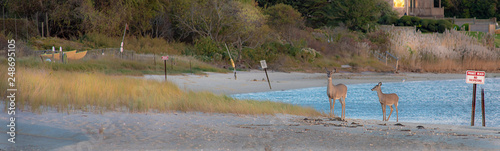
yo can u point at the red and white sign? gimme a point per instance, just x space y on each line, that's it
475 77
164 57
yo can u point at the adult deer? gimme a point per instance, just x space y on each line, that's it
335 92
387 99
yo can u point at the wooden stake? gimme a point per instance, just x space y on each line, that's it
265 69
482 106
47 24
165 62
473 104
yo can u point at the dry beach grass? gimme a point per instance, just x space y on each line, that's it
41 90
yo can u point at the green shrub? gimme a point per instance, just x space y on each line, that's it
456 27
465 27
208 48
443 25
388 20
406 21
415 20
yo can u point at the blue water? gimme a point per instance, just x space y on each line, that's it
436 102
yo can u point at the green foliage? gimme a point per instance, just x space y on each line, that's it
481 9
207 49
424 25
283 15
357 15
465 27
406 20
456 27
443 25
388 20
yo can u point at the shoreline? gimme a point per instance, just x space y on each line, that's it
255 80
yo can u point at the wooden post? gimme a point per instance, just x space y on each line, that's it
53 51
265 69
15 24
123 38
3 18
42 59
37 28
397 64
386 58
26 23
482 106
473 104
61 54
165 62
47 24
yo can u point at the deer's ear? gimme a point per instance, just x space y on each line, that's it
380 84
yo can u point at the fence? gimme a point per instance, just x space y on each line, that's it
397 28
387 58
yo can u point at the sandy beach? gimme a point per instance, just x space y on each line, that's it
256 81
203 131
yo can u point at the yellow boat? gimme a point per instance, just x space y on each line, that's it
77 56
71 55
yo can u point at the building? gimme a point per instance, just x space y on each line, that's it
419 8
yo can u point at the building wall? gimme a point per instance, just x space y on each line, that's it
420 8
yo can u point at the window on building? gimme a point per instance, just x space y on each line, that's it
399 3
436 3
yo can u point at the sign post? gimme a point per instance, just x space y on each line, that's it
264 66
165 58
474 77
482 107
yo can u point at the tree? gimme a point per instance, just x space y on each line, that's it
285 20
251 30
482 9
357 15
206 18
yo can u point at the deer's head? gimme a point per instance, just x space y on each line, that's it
377 87
330 73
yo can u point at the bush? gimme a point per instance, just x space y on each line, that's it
465 27
409 20
428 25
406 21
388 20
442 25
208 48
456 27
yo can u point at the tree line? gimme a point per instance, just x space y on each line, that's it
245 25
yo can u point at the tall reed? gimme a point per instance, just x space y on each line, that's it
417 49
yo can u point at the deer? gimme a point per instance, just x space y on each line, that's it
335 92
387 99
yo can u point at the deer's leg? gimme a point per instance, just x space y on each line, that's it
389 113
343 108
331 107
397 116
383 111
